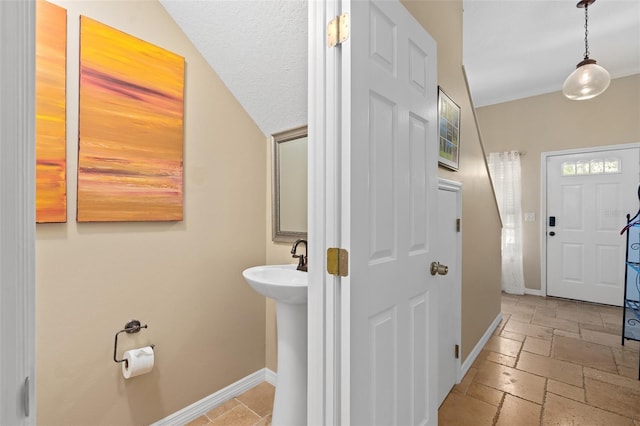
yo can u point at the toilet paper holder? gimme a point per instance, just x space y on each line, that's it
131 327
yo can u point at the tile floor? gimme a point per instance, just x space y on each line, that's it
549 362
252 408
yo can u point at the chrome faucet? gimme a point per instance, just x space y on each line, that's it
302 258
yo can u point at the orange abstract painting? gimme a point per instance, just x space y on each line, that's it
51 140
130 158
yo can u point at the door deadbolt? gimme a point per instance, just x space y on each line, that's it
437 268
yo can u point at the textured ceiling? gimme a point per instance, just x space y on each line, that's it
512 48
258 49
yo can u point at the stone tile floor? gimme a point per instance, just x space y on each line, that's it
549 362
252 408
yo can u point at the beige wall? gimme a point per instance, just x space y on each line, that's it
552 123
480 220
182 278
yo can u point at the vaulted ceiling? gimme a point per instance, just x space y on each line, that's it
512 48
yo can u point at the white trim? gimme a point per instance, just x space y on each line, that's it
455 186
532 292
342 86
210 402
544 156
466 365
323 376
17 210
543 224
270 377
449 185
590 149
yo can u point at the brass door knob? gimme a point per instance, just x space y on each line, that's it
437 268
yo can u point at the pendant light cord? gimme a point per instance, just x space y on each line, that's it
586 31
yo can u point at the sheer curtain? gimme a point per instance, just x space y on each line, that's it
505 174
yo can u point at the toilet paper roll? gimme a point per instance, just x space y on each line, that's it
139 361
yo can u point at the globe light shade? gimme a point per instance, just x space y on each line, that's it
587 81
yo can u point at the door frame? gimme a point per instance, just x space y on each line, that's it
17 217
543 198
455 186
324 197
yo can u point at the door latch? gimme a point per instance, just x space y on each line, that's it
437 268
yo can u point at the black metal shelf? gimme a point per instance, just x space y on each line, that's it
631 304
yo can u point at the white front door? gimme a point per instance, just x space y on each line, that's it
389 184
588 197
449 291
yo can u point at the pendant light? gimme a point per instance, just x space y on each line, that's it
589 79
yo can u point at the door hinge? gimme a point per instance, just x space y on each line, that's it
338 262
458 225
457 351
338 30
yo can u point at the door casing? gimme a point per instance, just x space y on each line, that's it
455 277
17 212
543 200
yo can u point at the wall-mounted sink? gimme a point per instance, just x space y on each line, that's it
288 287
280 282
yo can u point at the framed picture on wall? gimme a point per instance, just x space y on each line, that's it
448 131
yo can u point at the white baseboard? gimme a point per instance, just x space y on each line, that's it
533 292
476 350
270 377
210 402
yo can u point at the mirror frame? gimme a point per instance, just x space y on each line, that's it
280 235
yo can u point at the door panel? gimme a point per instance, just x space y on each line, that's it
606 256
383 330
607 196
418 132
381 189
573 265
572 207
419 327
585 257
391 134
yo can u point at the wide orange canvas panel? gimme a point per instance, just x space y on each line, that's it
130 159
51 140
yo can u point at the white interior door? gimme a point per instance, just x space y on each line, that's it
588 197
388 217
449 291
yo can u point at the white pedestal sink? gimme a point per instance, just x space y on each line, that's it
288 287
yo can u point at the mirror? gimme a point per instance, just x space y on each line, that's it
289 184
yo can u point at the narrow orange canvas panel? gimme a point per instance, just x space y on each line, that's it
130 159
51 162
